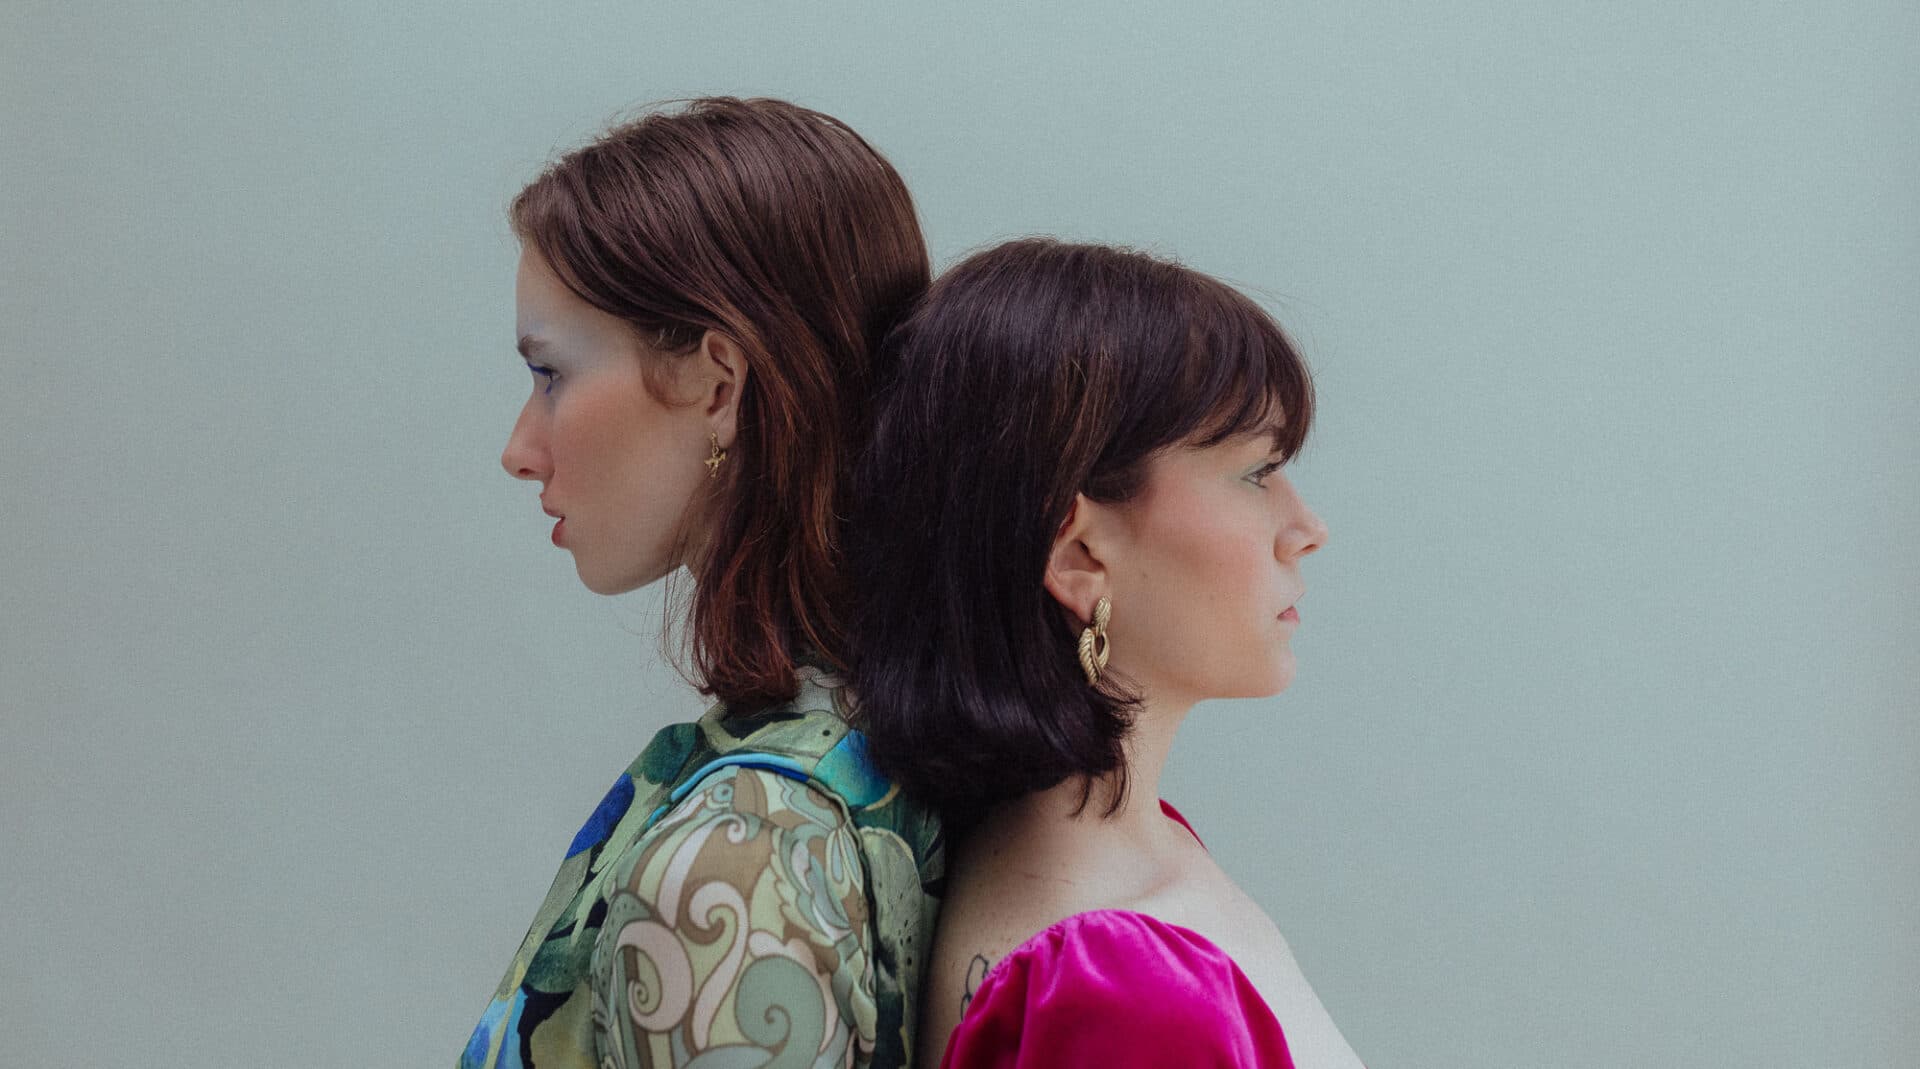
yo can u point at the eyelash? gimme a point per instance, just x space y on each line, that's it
542 371
1260 475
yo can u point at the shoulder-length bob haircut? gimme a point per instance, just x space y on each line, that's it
1030 373
781 229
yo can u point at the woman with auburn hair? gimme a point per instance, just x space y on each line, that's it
1072 526
701 294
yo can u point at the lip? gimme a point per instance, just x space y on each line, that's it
1292 615
559 532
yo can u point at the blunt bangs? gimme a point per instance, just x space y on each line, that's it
1196 363
1242 374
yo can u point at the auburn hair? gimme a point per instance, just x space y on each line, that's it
1029 374
783 230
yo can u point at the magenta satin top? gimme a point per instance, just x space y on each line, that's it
1112 987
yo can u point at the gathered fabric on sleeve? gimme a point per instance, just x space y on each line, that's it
738 928
1115 988
750 892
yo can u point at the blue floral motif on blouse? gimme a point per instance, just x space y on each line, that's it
502 1019
605 816
851 774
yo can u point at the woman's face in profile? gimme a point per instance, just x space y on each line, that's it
1205 585
617 467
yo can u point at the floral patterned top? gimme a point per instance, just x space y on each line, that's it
750 893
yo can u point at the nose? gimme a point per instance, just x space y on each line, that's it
1303 532
1313 531
526 456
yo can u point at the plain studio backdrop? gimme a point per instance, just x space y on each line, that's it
1603 747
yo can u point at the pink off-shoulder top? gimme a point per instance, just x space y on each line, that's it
1116 988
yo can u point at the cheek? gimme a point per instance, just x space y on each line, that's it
614 472
1208 560
587 431
601 433
1209 589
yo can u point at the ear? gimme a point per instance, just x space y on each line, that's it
720 367
1077 575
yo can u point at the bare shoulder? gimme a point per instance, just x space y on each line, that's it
1010 880
1008 888
1212 906
1000 904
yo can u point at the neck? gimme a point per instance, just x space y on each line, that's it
1138 815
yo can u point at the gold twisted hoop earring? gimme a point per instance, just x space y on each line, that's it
1093 642
718 455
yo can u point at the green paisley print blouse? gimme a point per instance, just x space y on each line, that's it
751 894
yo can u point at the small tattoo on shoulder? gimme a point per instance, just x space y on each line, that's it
976 973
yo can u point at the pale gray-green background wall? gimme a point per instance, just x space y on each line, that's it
1603 750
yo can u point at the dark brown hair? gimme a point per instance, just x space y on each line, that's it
1030 373
781 229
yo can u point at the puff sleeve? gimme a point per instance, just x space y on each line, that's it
739 929
1116 989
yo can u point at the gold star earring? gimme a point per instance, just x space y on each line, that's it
718 455
1093 642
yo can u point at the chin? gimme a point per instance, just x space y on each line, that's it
606 589
1283 673
1279 677
612 583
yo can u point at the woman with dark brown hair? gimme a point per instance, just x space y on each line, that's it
1073 526
701 294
